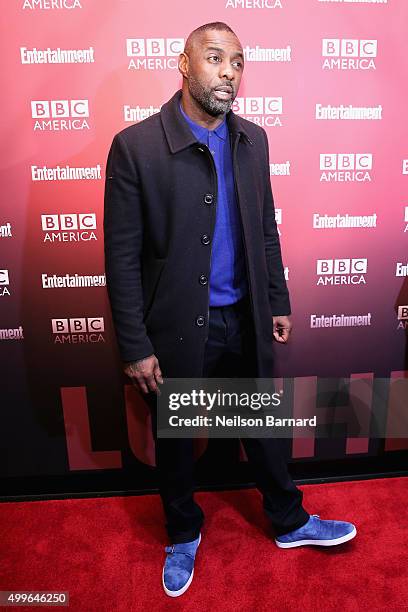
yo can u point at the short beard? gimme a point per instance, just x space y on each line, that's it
204 97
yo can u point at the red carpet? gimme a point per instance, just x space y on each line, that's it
108 552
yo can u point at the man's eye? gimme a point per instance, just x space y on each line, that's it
214 57
238 64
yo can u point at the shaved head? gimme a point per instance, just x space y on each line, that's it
195 36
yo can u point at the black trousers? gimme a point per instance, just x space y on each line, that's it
230 352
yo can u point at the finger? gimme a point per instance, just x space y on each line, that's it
285 336
277 337
141 381
144 387
151 382
158 374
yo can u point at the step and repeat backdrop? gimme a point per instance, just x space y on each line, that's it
327 79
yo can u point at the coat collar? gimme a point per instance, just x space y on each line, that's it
178 133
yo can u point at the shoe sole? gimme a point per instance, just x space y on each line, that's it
345 538
183 588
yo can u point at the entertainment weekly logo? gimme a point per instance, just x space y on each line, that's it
279 169
402 317
153 53
342 320
71 227
4 283
59 115
349 112
67 281
356 1
341 271
253 4
134 114
46 5
266 112
278 219
56 56
401 269
346 167
349 54
261 54
6 231
65 173
14 333
78 330
344 221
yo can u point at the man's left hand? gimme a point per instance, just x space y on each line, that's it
282 327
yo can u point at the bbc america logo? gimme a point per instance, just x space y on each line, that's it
266 112
341 271
51 4
253 4
153 53
78 330
349 54
58 115
403 317
4 283
71 227
346 167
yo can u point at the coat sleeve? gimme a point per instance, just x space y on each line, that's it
123 235
278 291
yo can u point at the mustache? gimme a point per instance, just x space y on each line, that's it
225 86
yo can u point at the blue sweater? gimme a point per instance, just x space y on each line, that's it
228 279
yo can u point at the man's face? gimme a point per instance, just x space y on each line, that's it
214 71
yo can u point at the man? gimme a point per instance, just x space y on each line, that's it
195 278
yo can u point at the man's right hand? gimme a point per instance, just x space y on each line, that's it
145 374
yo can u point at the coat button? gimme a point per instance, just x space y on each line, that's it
205 239
200 320
208 198
203 280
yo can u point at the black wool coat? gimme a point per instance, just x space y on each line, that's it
159 217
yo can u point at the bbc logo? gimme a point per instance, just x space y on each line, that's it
258 106
346 161
82 221
341 266
403 312
4 278
345 47
78 325
58 109
154 47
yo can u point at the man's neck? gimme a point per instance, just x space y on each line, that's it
198 114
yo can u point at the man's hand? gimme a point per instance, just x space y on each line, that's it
145 374
282 327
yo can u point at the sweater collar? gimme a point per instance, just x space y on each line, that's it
178 133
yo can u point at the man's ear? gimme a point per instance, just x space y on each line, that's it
183 62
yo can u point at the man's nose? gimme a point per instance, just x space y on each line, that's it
227 71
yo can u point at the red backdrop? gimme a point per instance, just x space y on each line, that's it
326 78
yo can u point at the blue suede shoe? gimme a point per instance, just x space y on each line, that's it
178 570
318 532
